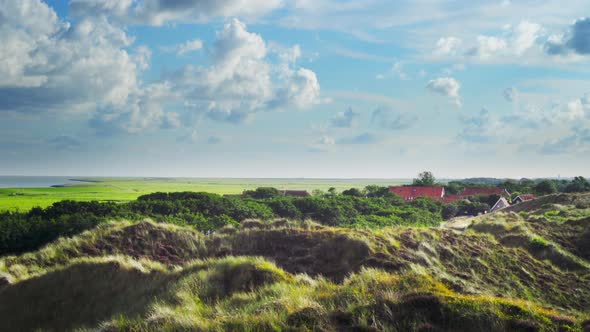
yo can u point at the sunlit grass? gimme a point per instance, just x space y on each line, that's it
122 190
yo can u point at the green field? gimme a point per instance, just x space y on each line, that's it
126 189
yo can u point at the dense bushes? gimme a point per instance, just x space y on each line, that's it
209 212
22 232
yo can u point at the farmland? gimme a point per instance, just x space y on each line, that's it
158 272
127 189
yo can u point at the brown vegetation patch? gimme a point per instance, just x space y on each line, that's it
329 254
80 295
146 240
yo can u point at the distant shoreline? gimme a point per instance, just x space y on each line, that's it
85 180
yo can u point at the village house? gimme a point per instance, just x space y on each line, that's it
474 191
523 198
448 199
410 193
500 204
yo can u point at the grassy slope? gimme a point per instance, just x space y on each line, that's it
129 189
508 272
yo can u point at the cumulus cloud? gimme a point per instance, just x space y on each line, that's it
446 86
189 46
344 119
577 109
576 40
480 128
242 81
143 110
448 46
387 118
488 46
158 12
50 64
524 36
364 138
514 41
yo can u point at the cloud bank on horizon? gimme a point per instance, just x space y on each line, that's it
283 88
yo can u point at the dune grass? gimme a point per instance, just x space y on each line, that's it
253 294
507 272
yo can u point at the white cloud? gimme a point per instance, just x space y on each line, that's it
326 140
390 119
488 46
287 54
524 36
575 40
47 64
447 46
143 110
396 70
241 81
509 45
446 86
189 46
482 128
578 109
158 12
344 119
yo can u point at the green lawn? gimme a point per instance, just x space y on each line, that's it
126 189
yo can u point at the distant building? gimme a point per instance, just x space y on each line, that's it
295 193
523 198
448 199
410 193
484 192
500 204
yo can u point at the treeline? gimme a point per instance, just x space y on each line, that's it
523 186
372 206
207 212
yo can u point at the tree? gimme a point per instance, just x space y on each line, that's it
578 184
317 193
263 193
454 188
510 185
425 179
332 192
545 187
377 191
353 192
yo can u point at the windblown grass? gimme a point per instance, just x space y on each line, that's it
508 272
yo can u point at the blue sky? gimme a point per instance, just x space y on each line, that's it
278 88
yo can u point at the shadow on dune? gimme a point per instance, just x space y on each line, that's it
81 295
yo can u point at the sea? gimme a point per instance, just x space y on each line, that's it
33 181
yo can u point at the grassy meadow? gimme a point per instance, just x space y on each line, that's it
128 189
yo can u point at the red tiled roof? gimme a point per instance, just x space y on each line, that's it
482 191
451 198
409 193
526 197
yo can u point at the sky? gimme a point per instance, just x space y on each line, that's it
295 88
